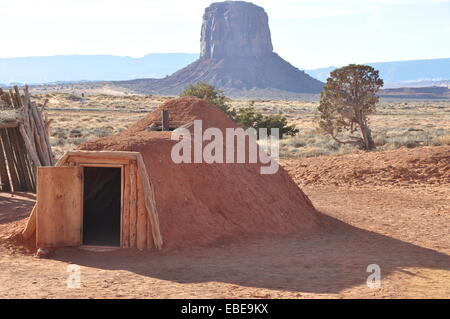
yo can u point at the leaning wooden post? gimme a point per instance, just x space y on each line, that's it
150 202
29 145
4 178
10 160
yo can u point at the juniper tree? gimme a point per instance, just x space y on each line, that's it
347 99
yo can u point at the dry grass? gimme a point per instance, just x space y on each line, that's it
397 123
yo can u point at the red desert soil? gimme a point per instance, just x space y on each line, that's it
404 167
387 208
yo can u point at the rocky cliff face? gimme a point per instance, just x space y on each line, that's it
237 57
235 29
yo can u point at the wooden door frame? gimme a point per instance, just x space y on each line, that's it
122 185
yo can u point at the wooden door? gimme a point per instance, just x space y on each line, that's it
59 206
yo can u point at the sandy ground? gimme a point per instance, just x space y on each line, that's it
402 228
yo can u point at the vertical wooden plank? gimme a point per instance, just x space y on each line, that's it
126 208
10 160
59 206
4 177
133 214
150 243
134 235
16 143
32 170
141 216
28 170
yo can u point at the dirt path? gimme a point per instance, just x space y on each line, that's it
404 231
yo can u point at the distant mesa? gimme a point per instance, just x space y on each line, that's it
432 92
235 30
410 73
236 56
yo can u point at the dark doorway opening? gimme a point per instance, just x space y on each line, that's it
101 206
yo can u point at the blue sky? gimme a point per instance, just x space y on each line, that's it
309 34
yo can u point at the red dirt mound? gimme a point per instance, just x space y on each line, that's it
404 167
206 203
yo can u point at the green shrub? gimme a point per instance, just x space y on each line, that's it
249 117
246 117
209 93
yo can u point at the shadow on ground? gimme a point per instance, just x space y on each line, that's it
15 208
328 261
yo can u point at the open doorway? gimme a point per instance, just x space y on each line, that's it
101 206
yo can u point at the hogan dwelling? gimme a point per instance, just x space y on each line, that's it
126 191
